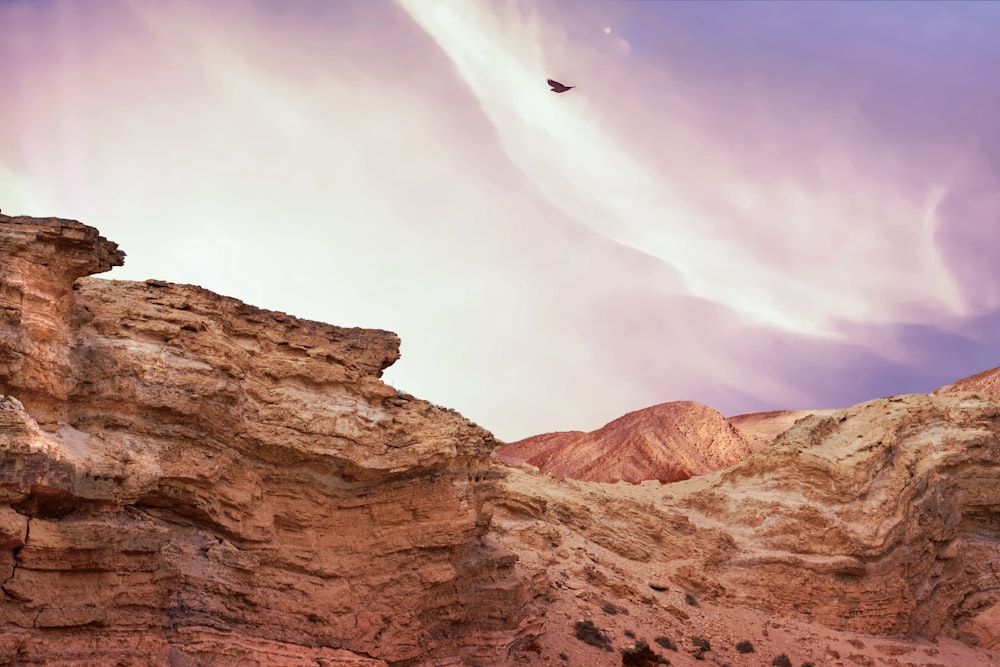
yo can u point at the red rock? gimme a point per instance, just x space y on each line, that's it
667 442
985 381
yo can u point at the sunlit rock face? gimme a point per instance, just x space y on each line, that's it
186 479
668 442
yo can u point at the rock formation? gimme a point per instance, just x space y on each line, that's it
188 480
668 442
856 526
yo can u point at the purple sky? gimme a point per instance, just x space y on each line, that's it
755 205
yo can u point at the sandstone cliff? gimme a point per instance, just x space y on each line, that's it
667 442
188 480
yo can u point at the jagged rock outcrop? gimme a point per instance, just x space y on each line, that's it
985 381
188 480
667 442
880 519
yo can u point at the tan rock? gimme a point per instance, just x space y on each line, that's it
188 480
204 482
879 519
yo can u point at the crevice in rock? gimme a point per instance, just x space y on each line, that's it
15 552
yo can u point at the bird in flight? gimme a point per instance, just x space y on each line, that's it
558 87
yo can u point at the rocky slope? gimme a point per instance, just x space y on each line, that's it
853 540
986 381
188 480
668 442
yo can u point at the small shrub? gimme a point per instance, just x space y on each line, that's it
641 656
690 600
666 643
745 646
563 656
701 643
589 633
781 661
609 608
808 664
630 634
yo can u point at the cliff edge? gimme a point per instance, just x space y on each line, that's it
189 480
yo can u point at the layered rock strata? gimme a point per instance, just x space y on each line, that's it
880 519
188 480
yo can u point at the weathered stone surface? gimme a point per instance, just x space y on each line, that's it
41 259
185 479
880 518
876 520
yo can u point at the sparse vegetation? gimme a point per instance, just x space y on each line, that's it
609 608
808 664
630 634
690 600
563 656
641 656
666 643
589 633
781 660
701 643
745 646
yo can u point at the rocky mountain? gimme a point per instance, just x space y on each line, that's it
196 481
187 480
668 443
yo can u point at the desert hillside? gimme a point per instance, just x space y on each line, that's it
668 443
189 480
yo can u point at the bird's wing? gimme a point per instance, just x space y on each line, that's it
554 83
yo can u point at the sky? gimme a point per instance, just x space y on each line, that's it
753 205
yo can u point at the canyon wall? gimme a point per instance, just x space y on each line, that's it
188 480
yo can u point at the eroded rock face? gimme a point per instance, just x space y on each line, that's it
41 257
189 480
880 519
667 442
